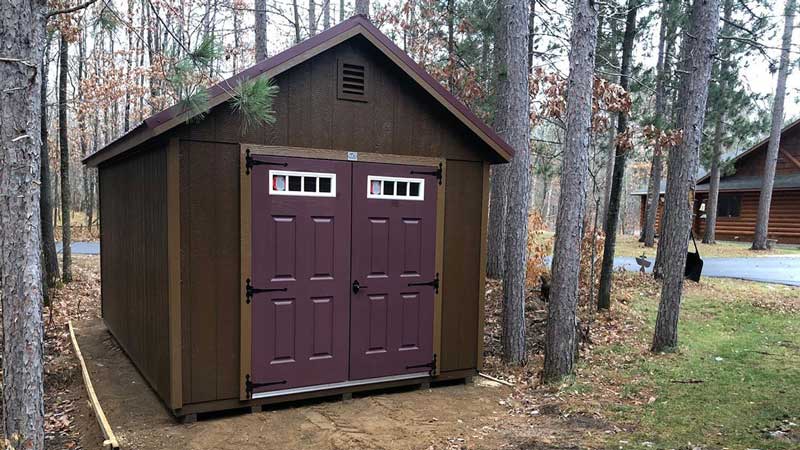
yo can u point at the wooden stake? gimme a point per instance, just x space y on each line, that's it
110 439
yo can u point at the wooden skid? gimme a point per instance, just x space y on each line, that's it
342 393
108 433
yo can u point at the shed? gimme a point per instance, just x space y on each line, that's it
340 249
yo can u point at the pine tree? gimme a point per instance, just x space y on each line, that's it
771 158
23 36
560 337
516 131
682 167
612 212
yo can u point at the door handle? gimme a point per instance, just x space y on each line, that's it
357 287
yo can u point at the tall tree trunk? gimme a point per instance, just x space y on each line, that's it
451 45
128 69
46 197
312 18
654 185
495 260
682 167
720 107
326 14
621 154
341 10
516 131
362 7
685 68
771 159
560 337
23 39
63 142
296 11
261 29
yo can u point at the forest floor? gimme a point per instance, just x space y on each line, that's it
731 384
628 245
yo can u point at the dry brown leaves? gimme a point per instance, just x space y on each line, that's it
77 300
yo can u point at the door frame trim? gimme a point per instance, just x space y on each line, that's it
341 384
245 242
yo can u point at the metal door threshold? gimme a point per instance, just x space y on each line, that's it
323 387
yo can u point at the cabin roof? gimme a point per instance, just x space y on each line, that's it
174 116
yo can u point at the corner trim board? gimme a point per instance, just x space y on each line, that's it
174 271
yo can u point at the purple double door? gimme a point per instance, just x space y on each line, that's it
343 271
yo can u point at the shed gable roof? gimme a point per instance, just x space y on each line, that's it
170 118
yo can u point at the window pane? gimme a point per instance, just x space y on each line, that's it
414 189
388 187
294 183
309 184
375 187
402 188
324 184
279 183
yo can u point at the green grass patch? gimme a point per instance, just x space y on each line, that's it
735 373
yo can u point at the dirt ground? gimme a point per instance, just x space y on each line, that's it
471 416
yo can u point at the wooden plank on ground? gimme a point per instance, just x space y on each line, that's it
108 433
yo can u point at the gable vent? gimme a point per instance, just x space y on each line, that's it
352 82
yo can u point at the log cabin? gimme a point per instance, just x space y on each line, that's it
739 193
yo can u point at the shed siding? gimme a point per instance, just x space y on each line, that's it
210 270
133 237
400 119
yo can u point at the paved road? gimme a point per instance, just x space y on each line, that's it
768 269
81 248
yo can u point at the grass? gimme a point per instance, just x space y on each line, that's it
630 246
734 375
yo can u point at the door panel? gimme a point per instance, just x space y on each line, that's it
300 243
393 245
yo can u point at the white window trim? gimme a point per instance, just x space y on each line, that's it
303 175
382 196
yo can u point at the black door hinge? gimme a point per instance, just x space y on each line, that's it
249 162
250 290
434 283
431 365
249 386
437 173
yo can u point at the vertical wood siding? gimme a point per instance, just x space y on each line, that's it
400 119
133 237
210 270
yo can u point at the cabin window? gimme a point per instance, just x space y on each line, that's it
352 81
729 205
304 184
395 188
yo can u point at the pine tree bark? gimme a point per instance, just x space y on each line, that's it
49 253
709 235
312 18
326 14
362 7
22 35
261 29
516 132
682 167
771 160
495 258
63 141
620 156
296 10
560 337
654 185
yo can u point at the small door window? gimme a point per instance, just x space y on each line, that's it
305 184
395 188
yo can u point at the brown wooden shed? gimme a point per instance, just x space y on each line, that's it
341 249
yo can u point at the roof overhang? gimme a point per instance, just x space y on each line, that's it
223 91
